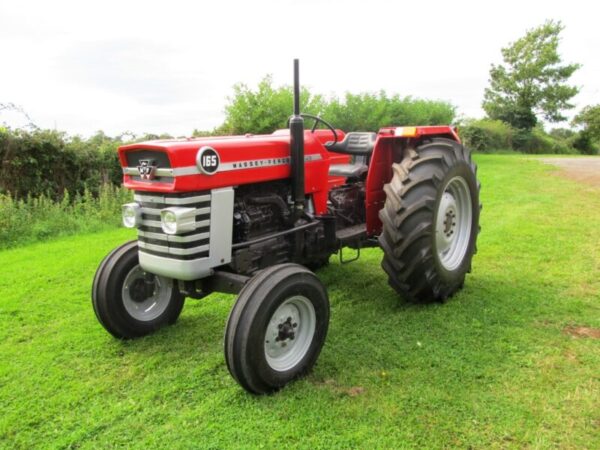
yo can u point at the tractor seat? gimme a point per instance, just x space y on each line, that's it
354 143
348 171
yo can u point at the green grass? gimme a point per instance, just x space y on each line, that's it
492 367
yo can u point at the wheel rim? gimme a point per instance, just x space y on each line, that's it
453 226
145 302
289 333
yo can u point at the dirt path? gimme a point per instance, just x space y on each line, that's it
585 170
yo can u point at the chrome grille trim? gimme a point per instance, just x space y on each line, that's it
173 238
152 239
174 201
159 172
157 224
156 211
192 255
173 250
151 223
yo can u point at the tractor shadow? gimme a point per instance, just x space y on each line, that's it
372 330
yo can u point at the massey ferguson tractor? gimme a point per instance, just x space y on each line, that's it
254 215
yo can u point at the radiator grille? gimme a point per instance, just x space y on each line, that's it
153 240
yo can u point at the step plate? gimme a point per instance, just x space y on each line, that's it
352 234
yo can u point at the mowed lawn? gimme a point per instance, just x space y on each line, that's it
509 362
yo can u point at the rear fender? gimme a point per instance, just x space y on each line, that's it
390 148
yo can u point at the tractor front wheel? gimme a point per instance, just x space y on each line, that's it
129 302
276 328
430 221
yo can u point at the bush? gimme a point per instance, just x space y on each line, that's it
264 109
494 135
486 135
48 163
583 142
38 218
370 112
267 108
562 133
539 142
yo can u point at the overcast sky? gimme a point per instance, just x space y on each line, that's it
168 66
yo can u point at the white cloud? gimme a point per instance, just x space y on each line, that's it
168 66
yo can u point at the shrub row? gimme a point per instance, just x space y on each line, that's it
267 108
38 218
48 162
486 135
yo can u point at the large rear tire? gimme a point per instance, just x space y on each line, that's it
430 221
276 328
129 302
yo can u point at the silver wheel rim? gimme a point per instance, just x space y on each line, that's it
453 226
153 305
289 333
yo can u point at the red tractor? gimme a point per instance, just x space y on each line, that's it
253 215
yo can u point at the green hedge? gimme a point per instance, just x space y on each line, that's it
486 135
49 163
540 142
370 112
266 108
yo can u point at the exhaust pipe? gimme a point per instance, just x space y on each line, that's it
297 148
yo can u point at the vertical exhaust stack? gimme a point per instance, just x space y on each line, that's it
297 148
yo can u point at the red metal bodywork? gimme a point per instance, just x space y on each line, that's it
251 148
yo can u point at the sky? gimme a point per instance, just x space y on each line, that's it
169 66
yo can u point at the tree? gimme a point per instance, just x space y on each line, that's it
265 109
532 82
589 136
589 118
369 111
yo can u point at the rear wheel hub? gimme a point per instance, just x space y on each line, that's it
453 225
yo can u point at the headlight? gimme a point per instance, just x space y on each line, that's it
131 215
168 222
178 220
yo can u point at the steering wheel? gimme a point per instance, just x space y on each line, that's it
318 119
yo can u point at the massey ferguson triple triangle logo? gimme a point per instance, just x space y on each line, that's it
147 169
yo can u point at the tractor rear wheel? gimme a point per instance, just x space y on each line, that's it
430 221
276 328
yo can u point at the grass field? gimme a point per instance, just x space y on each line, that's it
506 363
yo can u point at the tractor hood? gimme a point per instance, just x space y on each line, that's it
198 164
